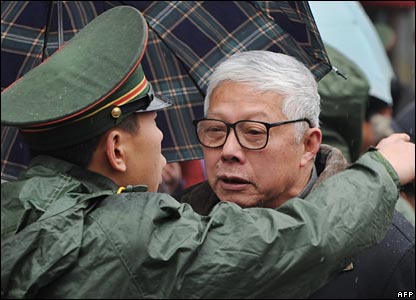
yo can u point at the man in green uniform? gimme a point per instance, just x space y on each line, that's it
84 222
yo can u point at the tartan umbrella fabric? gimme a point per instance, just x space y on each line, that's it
187 39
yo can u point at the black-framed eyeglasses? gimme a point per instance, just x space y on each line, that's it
253 135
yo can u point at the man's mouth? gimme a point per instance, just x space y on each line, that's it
233 182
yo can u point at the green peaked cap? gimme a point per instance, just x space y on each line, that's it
88 86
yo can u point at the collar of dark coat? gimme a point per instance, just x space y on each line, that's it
328 162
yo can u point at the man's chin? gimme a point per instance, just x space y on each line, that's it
241 199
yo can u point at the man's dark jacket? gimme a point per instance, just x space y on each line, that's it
382 271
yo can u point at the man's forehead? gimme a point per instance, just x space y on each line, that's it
247 110
218 111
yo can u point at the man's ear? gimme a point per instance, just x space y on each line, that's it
311 142
116 151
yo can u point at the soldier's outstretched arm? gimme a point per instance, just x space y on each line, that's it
291 251
287 252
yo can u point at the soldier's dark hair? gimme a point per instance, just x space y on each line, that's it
81 154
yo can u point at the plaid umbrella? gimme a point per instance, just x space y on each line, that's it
187 39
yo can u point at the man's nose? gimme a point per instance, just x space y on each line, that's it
232 150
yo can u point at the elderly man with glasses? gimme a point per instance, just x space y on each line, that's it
260 132
262 147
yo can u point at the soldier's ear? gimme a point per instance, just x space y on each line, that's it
116 150
311 142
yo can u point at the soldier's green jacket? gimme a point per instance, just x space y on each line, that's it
67 234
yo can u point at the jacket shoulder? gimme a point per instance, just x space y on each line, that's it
404 228
399 248
381 271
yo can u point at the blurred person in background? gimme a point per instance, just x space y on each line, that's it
369 46
178 176
343 118
395 25
343 106
403 111
360 43
404 121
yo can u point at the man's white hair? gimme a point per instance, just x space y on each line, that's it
276 72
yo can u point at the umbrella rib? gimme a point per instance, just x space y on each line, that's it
48 26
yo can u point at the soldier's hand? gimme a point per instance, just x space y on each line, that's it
401 155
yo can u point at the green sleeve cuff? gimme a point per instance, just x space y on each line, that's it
389 168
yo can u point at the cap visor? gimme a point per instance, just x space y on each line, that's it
158 103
